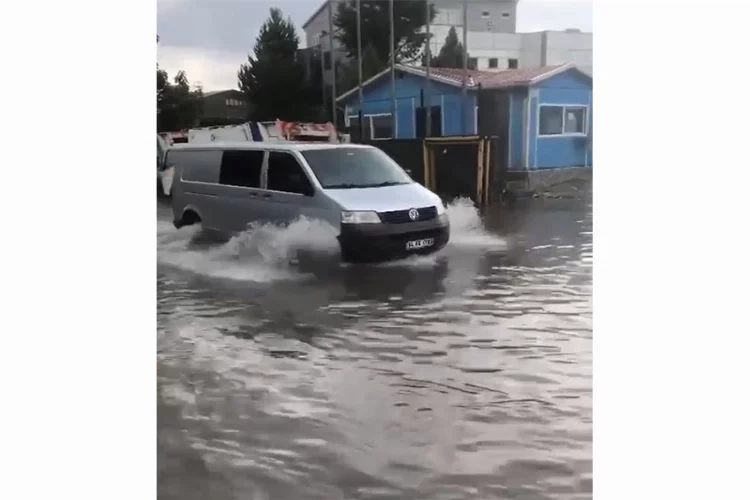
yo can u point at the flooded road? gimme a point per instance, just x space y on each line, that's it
466 375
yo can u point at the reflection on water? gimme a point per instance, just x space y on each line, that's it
461 375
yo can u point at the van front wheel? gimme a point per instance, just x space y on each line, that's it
188 219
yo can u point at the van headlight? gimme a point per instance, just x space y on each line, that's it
360 218
440 208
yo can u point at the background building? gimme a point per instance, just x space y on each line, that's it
223 107
499 51
492 40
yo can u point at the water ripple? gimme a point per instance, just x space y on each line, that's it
467 375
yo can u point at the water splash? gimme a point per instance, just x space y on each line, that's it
267 252
467 228
262 253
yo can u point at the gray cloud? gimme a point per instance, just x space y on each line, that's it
230 25
211 38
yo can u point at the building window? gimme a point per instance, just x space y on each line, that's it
382 127
228 102
375 126
354 128
327 60
562 120
493 62
575 119
472 63
512 63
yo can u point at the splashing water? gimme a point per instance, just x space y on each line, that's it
467 227
265 252
262 253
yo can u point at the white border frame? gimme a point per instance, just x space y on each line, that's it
539 106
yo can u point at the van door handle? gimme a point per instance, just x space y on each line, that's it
266 195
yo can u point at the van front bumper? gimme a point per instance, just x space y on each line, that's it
384 242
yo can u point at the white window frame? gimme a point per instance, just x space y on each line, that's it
370 117
564 107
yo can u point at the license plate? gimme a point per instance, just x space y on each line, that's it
417 244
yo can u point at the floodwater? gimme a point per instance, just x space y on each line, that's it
465 375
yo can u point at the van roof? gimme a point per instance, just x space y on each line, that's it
277 146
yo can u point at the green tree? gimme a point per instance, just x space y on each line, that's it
273 79
451 54
178 106
371 66
409 20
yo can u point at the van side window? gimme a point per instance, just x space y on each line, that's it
195 166
241 168
285 174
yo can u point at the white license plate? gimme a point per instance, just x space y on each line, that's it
417 244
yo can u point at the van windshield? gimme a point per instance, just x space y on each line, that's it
352 168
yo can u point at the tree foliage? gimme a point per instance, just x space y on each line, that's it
273 79
409 40
177 105
451 54
371 66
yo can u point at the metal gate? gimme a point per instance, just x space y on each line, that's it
458 167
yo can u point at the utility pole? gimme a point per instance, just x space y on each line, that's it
393 68
464 92
322 71
428 62
333 62
360 114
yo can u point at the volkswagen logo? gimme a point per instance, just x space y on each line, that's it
414 214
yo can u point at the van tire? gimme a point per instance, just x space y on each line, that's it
190 217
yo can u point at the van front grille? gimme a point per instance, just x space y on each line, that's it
402 216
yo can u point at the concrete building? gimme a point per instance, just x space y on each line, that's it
499 51
222 107
492 40
493 16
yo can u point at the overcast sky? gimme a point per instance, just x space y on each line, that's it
209 39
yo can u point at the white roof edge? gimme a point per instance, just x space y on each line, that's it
556 71
411 70
364 84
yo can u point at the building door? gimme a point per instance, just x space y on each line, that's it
437 122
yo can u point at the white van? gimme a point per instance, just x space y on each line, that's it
377 211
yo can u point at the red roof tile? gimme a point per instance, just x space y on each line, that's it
489 79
